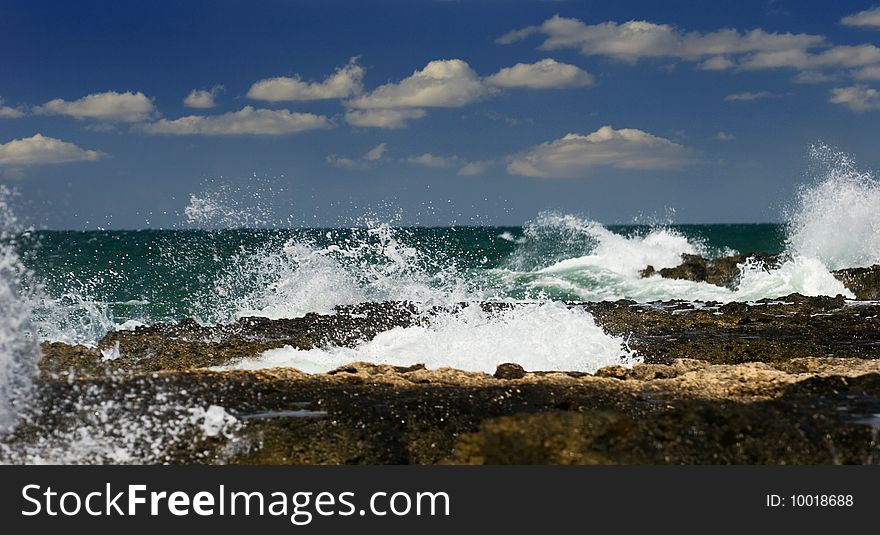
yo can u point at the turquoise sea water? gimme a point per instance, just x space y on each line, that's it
88 282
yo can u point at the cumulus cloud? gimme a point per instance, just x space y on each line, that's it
577 155
475 168
7 112
869 18
248 120
717 63
376 152
637 39
812 77
450 84
369 158
868 73
517 35
382 118
440 84
749 95
718 50
344 162
725 136
858 98
841 56
344 83
444 162
430 160
111 106
202 98
40 149
545 74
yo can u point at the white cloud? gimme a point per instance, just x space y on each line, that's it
373 155
841 56
869 18
40 149
245 121
100 127
7 112
636 39
382 118
110 106
445 162
749 95
517 35
719 50
545 74
717 63
475 168
858 98
343 162
376 152
868 73
577 155
430 160
725 136
202 98
441 84
344 83
812 77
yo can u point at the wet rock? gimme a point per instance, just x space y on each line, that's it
864 283
722 271
769 331
772 330
804 411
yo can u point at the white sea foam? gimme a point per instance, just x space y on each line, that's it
611 266
538 336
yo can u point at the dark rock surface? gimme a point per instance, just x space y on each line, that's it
724 271
789 380
768 331
802 411
864 283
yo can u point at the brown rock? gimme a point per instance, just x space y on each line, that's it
863 282
509 371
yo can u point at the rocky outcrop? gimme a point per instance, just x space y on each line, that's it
767 331
724 271
789 380
864 283
809 410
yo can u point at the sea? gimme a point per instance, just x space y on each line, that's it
75 286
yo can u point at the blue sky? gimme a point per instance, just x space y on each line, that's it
471 112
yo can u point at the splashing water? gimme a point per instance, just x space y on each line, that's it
837 218
538 336
301 276
611 264
224 205
561 241
18 349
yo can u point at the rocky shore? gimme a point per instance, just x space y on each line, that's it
724 271
792 380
